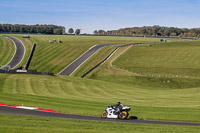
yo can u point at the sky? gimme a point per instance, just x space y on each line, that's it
91 15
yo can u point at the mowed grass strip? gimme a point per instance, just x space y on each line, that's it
53 57
180 59
26 124
7 50
137 67
91 97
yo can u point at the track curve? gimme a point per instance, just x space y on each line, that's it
19 52
19 111
85 56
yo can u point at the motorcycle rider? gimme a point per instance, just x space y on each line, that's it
117 107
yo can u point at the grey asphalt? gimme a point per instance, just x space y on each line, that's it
25 112
74 65
19 53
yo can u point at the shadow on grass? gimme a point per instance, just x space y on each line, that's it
133 117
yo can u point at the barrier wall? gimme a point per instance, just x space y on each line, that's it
30 57
26 72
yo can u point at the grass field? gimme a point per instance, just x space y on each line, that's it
7 50
137 66
126 78
167 60
90 97
54 57
28 124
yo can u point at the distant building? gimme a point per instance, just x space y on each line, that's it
26 36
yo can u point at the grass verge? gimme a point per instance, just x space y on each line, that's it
90 97
28 124
7 50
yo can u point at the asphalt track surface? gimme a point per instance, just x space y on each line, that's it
19 52
79 61
25 112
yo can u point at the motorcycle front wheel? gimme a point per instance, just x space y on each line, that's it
104 115
123 115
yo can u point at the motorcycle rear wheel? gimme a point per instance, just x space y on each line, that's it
123 115
104 115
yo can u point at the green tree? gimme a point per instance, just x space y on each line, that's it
71 31
57 31
101 32
95 32
173 34
167 32
78 31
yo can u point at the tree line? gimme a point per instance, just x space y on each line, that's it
152 31
71 31
43 29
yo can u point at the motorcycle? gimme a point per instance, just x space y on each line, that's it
111 112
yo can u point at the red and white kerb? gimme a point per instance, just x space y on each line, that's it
29 108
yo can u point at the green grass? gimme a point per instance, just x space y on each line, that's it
55 57
28 124
167 60
7 50
150 97
170 65
90 97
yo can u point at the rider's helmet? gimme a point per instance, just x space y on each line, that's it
118 103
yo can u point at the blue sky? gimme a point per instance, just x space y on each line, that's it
91 15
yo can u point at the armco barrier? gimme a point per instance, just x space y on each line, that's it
30 57
110 55
26 72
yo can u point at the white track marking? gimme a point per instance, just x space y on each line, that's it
16 51
24 107
76 60
85 60
23 53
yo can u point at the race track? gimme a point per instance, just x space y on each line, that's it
26 112
85 56
19 52
17 58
